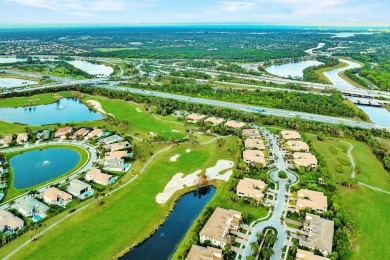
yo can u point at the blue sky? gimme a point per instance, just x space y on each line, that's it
308 12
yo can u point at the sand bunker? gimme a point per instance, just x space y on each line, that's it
138 110
175 131
174 158
178 182
96 105
188 150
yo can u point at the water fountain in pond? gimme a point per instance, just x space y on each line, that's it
45 163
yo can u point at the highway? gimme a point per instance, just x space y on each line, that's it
250 108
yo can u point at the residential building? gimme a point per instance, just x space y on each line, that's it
307 255
319 233
218 227
111 139
81 132
6 141
9 222
117 146
114 165
251 133
290 135
251 188
22 138
214 120
95 133
311 199
251 144
254 156
78 188
235 124
43 135
304 160
204 253
62 132
297 146
195 118
56 196
30 207
98 177
116 155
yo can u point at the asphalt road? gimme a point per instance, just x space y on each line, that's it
250 108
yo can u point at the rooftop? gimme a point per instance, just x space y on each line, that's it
203 253
320 233
311 199
290 135
219 223
54 194
254 156
215 120
252 188
307 255
304 159
250 133
7 219
235 124
254 143
195 117
297 145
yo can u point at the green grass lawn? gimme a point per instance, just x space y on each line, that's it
370 211
127 216
13 192
372 171
142 122
40 99
335 155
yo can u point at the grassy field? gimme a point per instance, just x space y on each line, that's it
13 192
127 216
335 154
14 76
370 210
33 100
140 121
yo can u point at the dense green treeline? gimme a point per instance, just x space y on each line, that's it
64 69
189 74
352 74
309 74
318 104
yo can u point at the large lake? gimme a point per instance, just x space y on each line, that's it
38 166
291 69
65 110
93 69
163 243
12 82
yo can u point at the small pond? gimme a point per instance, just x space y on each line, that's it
163 243
65 110
12 82
291 69
38 166
93 69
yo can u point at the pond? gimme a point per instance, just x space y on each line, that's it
291 69
378 115
163 243
340 83
12 82
38 166
65 110
93 69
